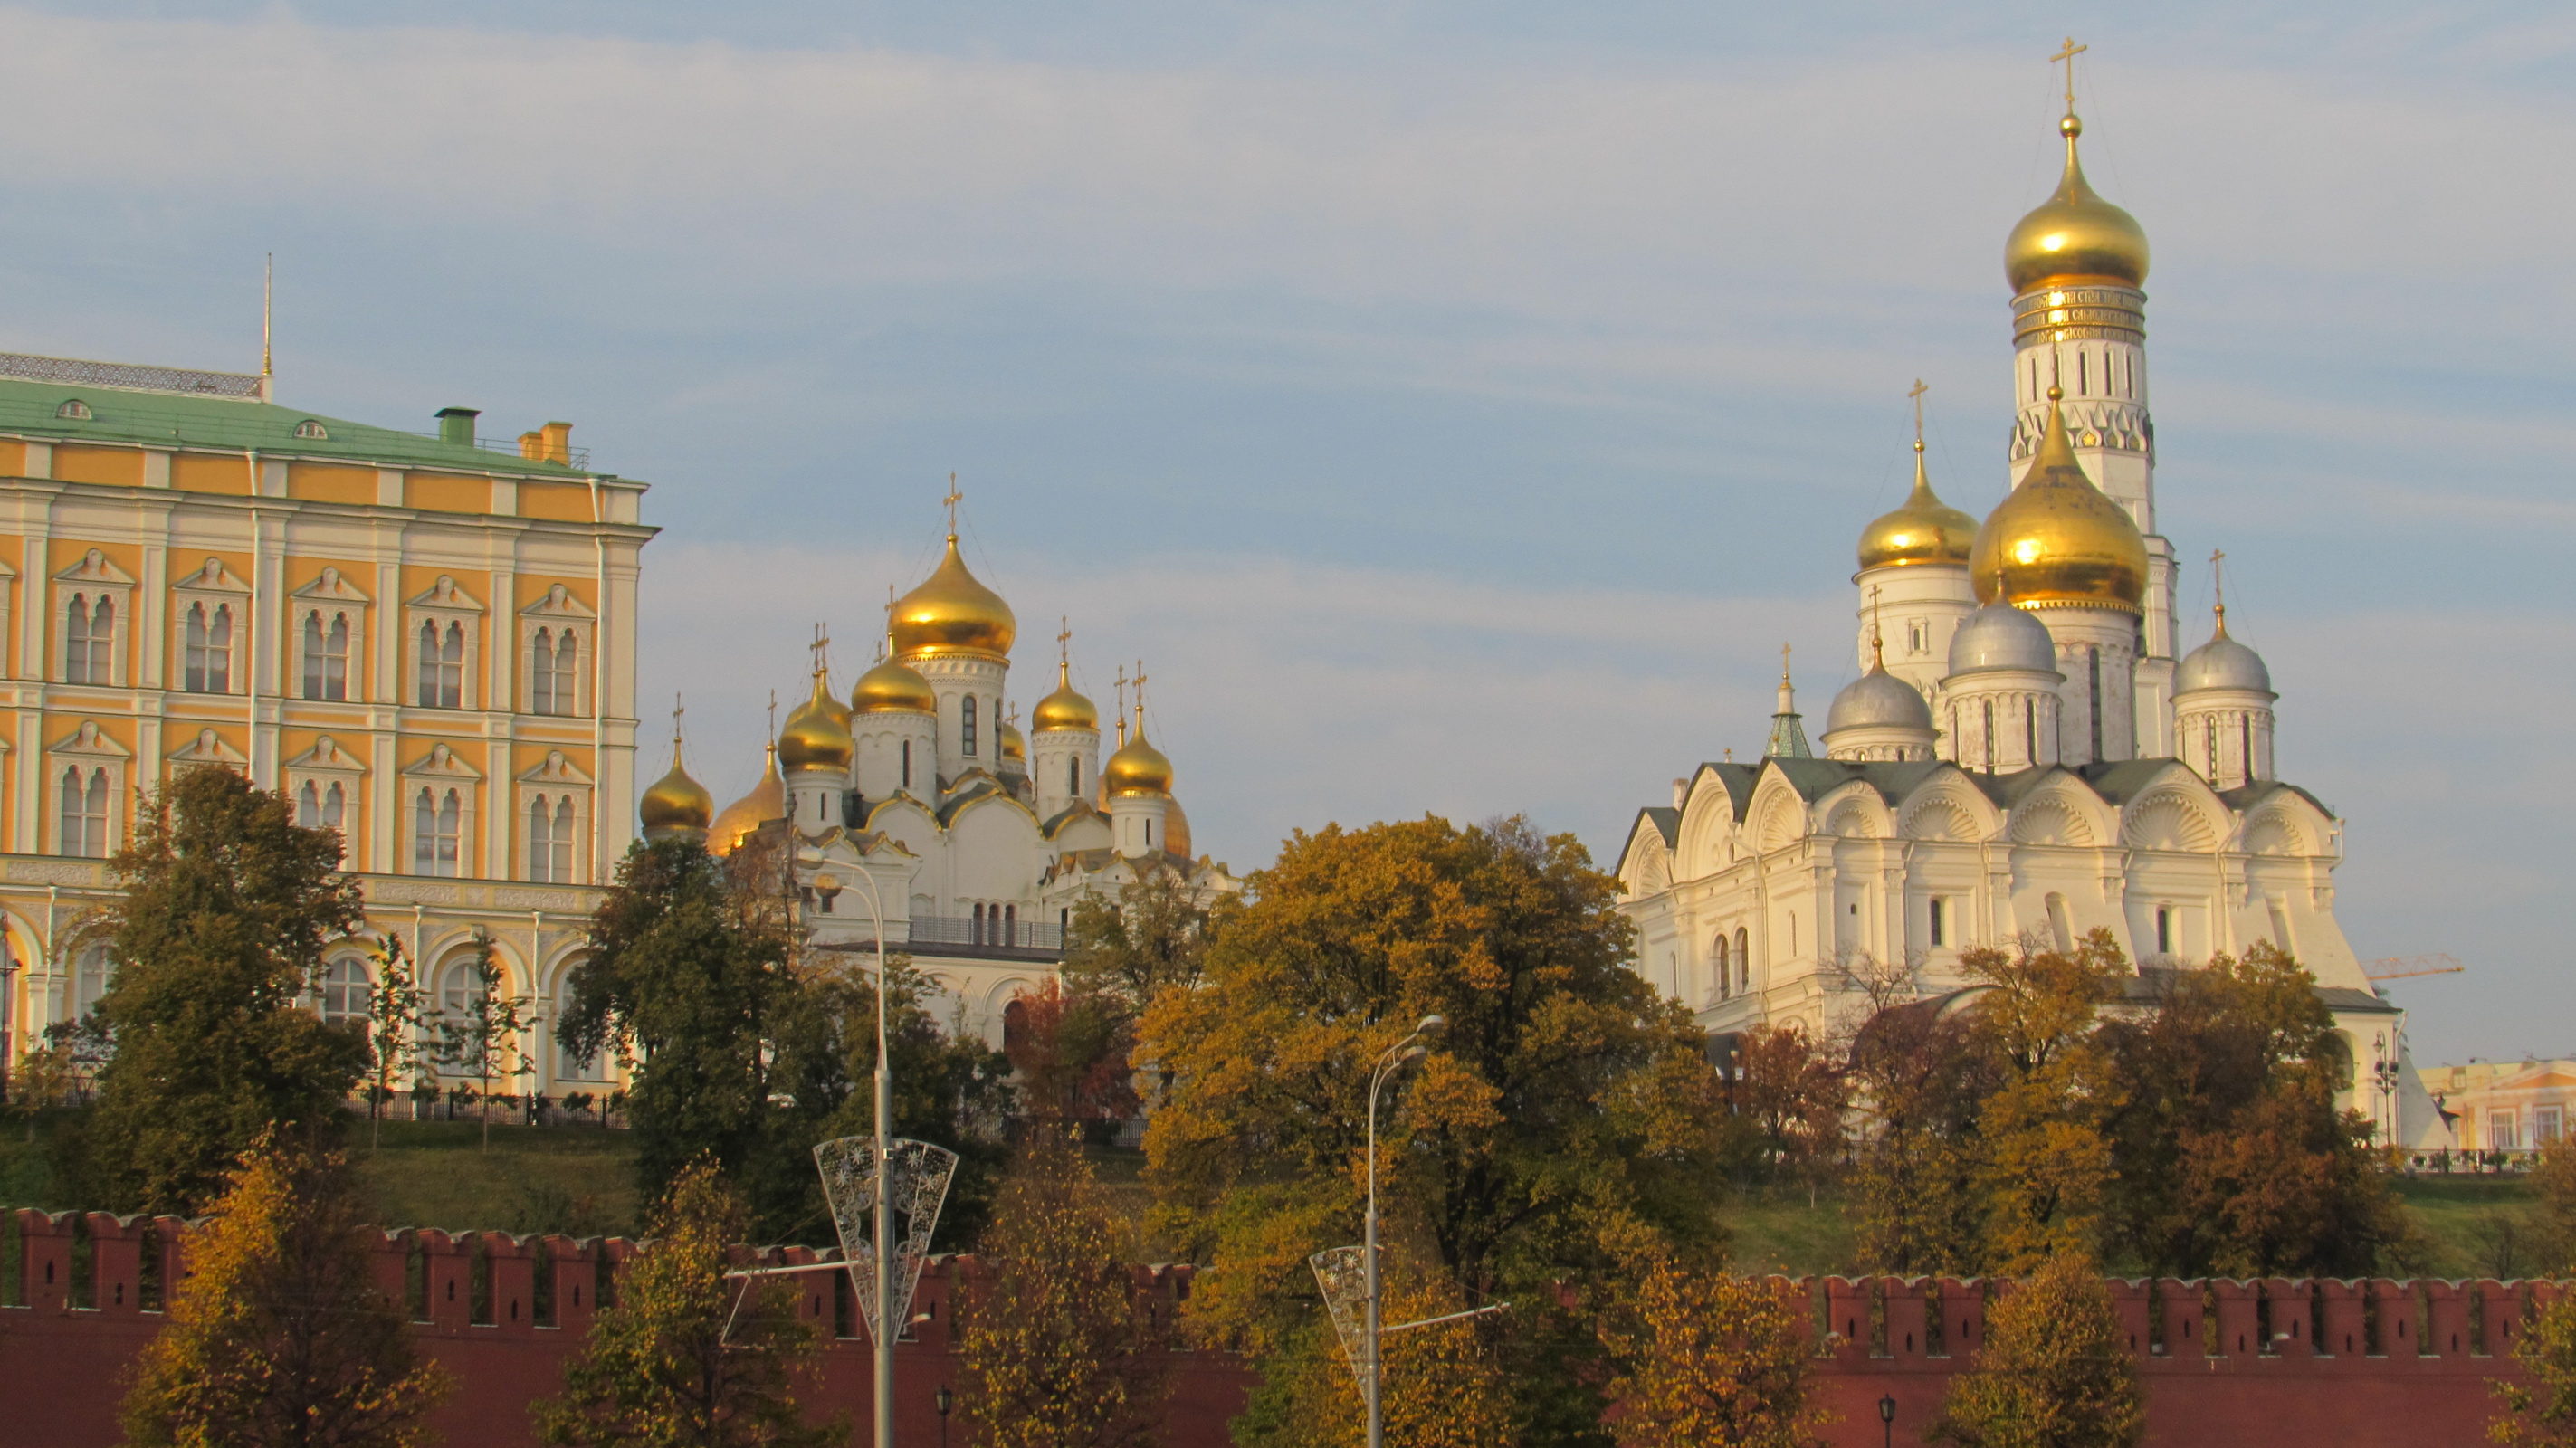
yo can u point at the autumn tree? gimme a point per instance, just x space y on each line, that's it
1129 950
393 1026
2539 1411
2233 1159
2553 1182
281 1336
484 1034
2054 1371
1068 1050
218 942
1793 1094
1442 1386
1058 1351
1711 1357
685 1355
1565 1100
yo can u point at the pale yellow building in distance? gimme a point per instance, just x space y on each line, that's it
428 642
2504 1105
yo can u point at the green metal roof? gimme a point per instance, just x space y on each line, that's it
118 415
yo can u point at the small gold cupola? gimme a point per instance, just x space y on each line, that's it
767 801
676 806
1065 708
817 735
1923 529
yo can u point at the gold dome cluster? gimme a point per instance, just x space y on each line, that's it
818 733
1923 529
676 805
2075 235
952 613
767 801
2057 539
1137 767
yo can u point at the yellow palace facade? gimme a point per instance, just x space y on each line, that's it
426 641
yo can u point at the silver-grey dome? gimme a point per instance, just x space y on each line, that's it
2222 663
2000 636
1878 700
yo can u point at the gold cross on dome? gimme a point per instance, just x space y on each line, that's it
1917 395
1784 663
1064 639
2067 58
773 713
677 709
822 641
954 495
1122 691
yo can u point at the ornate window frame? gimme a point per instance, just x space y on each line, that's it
555 779
94 577
206 747
322 766
557 613
86 748
439 771
329 595
210 587
446 604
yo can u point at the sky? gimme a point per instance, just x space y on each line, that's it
1454 406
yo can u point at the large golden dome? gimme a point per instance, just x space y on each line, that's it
1176 830
2057 539
893 687
1064 709
767 801
1137 768
1922 530
2075 235
818 733
675 805
951 613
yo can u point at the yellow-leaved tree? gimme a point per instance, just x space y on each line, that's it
2054 1372
1059 1353
281 1336
686 1356
1713 1358
1443 1385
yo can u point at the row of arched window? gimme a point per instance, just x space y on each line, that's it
1732 963
995 924
89 640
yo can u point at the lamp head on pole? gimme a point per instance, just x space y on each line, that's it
1887 1408
1432 1026
943 1400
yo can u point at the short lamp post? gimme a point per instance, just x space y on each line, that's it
943 1400
1887 1419
1395 1056
2383 1072
8 1014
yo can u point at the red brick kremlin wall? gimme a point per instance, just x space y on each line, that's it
2226 1364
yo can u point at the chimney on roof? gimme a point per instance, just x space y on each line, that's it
456 425
551 443
1681 792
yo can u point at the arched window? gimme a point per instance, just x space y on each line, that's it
345 983
907 764
326 656
1073 775
550 829
436 821
90 971
208 660
1990 736
567 679
966 726
2164 930
975 931
541 683
1743 961
579 1068
74 410
1725 968
308 806
462 988
2030 732
312 431
442 666
561 863
2060 929
84 814
89 637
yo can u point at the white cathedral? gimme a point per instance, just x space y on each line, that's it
920 804
2029 750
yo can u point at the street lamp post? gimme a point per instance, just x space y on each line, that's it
884 1224
1887 1419
943 1400
1395 1056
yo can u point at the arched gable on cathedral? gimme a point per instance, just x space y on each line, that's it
2176 810
1712 818
1646 864
2282 820
1948 806
1856 811
2056 806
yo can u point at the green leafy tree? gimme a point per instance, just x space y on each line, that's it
2553 1182
393 1026
2054 1371
686 972
1153 937
485 1035
1059 1352
40 1083
219 941
1711 1357
1566 1099
281 1336
686 1357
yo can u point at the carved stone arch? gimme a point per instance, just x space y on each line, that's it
1851 819
1783 820
2168 820
1939 817
2274 832
1654 869
1708 823
2051 819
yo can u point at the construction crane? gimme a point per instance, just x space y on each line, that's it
2401 967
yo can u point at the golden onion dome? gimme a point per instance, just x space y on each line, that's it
817 735
893 687
676 805
1015 748
952 613
1176 830
2057 539
1064 709
1922 530
767 801
1137 768
2075 235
